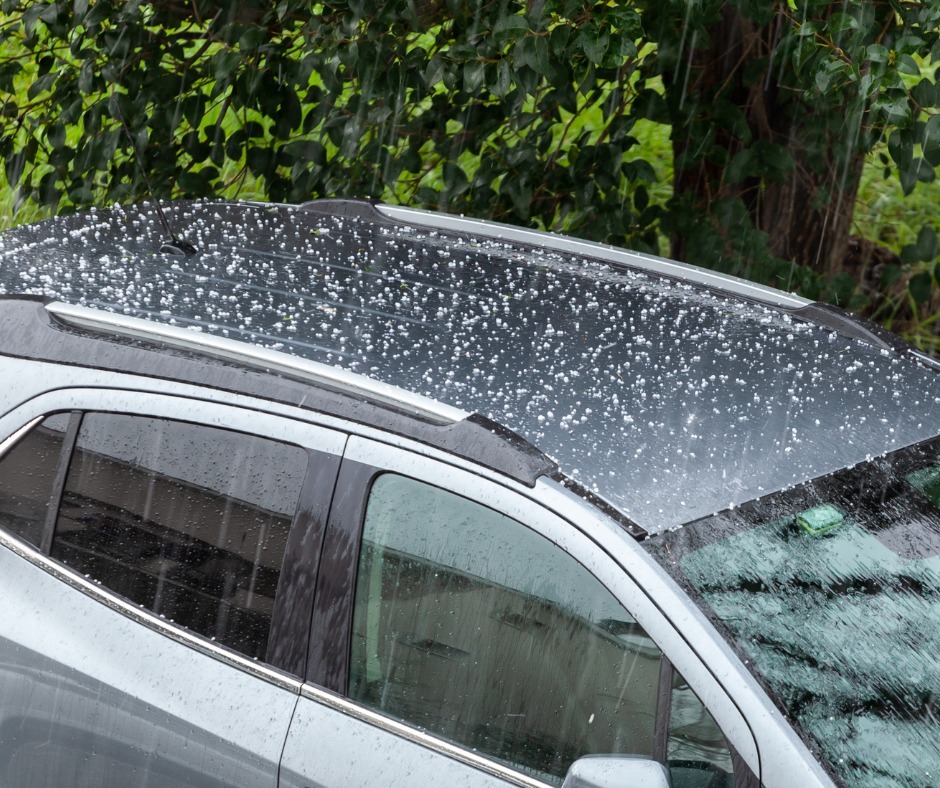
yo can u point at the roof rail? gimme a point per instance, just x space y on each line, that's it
243 353
609 254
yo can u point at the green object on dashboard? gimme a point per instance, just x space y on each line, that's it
820 519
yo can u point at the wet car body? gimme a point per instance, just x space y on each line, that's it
361 494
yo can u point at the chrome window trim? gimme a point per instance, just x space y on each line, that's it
11 440
145 617
923 358
420 737
642 262
245 353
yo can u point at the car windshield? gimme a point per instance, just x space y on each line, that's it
830 592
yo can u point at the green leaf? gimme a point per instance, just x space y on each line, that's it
503 82
259 160
901 148
13 167
651 105
890 275
896 108
877 53
97 14
511 24
473 75
411 161
199 183
923 250
927 244
536 54
918 172
434 71
559 40
639 170
455 179
740 166
50 13
930 142
594 44
309 151
225 64
926 93
194 108
920 287
252 38
907 65
55 134
840 22
641 199
806 29
8 72
40 86
777 157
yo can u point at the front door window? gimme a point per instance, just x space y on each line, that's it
474 627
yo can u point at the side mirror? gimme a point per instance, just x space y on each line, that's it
616 771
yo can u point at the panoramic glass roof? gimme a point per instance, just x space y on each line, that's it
670 401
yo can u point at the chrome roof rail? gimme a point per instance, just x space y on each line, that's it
692 274
256 356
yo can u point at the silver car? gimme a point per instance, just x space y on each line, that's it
363 495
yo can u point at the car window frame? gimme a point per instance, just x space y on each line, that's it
324 445
368 457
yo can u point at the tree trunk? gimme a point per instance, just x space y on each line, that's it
806 210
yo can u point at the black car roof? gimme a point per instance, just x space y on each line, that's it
669 399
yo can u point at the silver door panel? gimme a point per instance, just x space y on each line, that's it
334 745
92 697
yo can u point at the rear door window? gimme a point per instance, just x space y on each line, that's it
187 521
27 478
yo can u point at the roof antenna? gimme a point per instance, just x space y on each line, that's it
174 245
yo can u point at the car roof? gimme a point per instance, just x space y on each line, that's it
670 392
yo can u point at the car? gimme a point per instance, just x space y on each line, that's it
346 493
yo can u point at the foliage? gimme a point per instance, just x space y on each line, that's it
773 109
472 108
528 113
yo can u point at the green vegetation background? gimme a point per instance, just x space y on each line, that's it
572 116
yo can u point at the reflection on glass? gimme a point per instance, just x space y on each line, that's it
697 752
474 627
188 522
27 473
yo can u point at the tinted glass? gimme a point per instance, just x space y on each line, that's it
470 625
697 753
27 474
832 593
187 521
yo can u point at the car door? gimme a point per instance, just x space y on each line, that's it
461 636
154 553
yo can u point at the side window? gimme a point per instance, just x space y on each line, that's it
27 477
472 626
186 521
